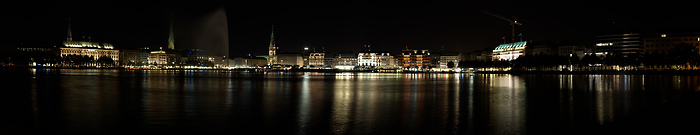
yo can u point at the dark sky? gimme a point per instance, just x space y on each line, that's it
338 25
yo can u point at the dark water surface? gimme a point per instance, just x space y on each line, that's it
102 101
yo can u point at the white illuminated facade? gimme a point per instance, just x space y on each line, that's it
375 59
316 59
345 61
510 51
444 59
83 44
90 49
161 58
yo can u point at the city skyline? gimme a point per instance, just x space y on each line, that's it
387 26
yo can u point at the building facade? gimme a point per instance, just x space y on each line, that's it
374 59
90 49
663 43
414 59
290 59
162 58
129 57
317 59
446 58
571 51
248 62
623 44
509 51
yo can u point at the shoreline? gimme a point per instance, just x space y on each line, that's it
631 72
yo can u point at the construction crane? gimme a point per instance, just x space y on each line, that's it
513 22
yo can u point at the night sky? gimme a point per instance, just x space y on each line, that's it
338 26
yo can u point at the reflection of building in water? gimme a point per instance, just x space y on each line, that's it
611 96
343 97
508 101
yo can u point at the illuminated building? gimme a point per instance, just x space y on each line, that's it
248 62
290 59
272 58
162 57
414 58
449 57
623 44
509 51
129 57
664 43
541 48
198 55
374 59
571 50
316 59
90 49
344 61
36 55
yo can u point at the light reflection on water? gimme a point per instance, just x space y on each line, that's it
192 101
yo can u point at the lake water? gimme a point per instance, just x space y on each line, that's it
111 101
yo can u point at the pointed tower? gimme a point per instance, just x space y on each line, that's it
272 59
70 34
171 37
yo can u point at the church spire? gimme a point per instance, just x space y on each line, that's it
272 57
171 37
70 34
272 37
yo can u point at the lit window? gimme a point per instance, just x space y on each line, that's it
663 35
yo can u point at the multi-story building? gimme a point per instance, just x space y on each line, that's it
622 44
414 59
374 59
483 55
344 61
290 59
316 59
162 58
36 56
199 56
129 57
571 51
90 49
663 43
446 58
509 51
248 62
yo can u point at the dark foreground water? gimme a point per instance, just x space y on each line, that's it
94 101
